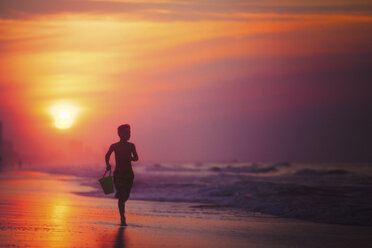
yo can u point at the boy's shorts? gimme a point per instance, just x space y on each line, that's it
123 186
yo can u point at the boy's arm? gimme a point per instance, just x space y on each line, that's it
134 152
107 157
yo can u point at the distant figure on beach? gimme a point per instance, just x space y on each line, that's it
125 152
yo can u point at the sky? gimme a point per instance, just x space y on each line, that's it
197 80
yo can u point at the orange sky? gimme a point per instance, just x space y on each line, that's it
197 80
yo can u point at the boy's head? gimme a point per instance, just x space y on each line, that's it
124 132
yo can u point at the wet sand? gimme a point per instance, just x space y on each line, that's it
41 210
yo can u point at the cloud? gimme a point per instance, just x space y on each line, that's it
178 10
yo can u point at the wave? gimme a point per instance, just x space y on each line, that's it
249 169
284 190
253 168
310 172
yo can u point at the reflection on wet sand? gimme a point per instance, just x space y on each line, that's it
39 210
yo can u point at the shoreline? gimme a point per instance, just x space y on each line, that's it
308 203
40 210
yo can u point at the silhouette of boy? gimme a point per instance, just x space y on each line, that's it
125 152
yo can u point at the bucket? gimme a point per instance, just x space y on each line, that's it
107 184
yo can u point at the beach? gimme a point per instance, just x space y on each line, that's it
39 209
225 124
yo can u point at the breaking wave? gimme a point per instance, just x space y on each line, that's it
326 193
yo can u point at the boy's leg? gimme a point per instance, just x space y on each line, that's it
123 197
121 205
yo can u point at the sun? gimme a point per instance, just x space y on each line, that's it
64 115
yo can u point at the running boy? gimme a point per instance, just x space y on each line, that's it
125 152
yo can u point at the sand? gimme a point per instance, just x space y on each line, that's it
42 210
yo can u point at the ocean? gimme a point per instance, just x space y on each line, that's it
333 193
